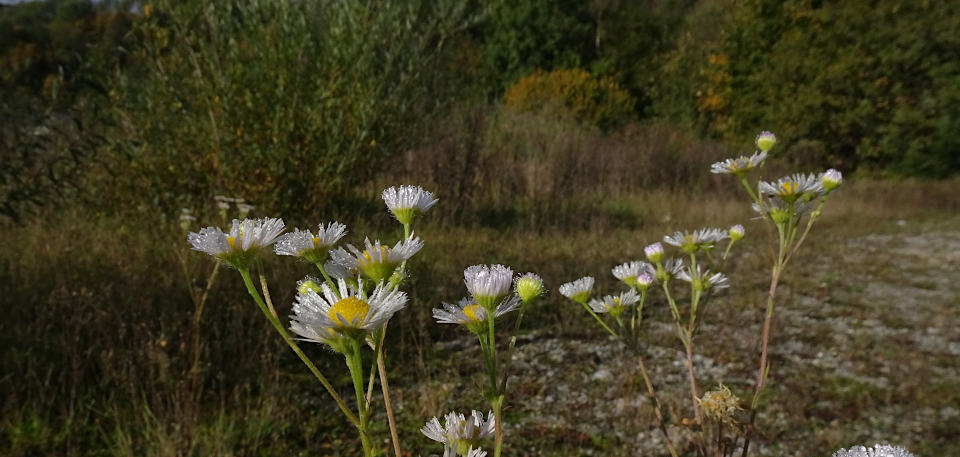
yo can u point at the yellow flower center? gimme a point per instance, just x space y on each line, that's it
471 312
788 188
382 254
316 242
352 309
616 303
232 242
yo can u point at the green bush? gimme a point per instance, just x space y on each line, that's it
285 104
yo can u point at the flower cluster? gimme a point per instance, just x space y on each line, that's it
461 435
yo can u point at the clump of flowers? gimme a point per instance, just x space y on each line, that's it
494 292
461 435
877 450
791 204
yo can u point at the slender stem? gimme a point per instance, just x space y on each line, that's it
513 342
813 217
761 374
498 425
599 320
743 180
693 392
385 388
719 439
197 317
296 349
326 277
657 408
355 365
266 294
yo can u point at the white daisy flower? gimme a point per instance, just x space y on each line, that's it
705 279
696 240
740 165
629 271
528 287
407 202
488 283
303 243
471 452
831 179
242 244
877 450
790 188
671 268
377 261
325 317
765 141
458 432
778 209
469 313
615 304
579 290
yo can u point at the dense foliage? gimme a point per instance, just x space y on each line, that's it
185 99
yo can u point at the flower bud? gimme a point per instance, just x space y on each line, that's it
644 281
831 179
765 141
654 252
529 286
737 232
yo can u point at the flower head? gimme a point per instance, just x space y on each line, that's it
458 433
696 240
831 179
736 232
469 313
615 304
629 271
303 243
670 268
877 450
528 287
790 188
765 141
377 261
579 290
703 280
328 316
739 166
242 244
408 202
720 405
488 284
779 210
654 252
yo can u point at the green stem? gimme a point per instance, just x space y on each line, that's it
355 365
385 389
513 342
498 425
602 323
326 277
296 349
743 180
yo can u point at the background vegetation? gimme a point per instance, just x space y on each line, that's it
559 135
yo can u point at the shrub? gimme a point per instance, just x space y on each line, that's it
594 101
